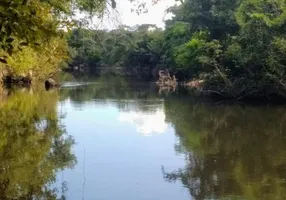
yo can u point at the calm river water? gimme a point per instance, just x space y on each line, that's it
113 139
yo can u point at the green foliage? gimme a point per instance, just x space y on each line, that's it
29 31
28 59
175 35
34 27
33 20
132 50
82 48
240 56
236 46
147 53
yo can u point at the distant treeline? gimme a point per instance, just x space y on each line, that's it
134 51
238 47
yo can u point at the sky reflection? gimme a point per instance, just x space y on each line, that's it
147 123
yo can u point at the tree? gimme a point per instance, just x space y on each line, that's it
38 24
232 45
137 50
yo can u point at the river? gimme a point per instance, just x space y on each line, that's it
115 139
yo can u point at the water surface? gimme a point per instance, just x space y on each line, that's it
115 139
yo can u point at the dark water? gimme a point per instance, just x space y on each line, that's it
114 139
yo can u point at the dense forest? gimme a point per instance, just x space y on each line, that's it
237 47
134 51
32 35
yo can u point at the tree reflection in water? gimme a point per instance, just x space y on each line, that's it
33 144
232 152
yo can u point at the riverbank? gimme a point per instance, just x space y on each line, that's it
192 88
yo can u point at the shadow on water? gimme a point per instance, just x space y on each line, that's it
33 144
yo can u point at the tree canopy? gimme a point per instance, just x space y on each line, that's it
138 49
237 47
34 29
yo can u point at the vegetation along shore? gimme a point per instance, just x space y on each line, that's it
232 48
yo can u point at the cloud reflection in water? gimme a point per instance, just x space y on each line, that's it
146 123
